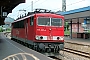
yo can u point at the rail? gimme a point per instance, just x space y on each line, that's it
80 53
70 49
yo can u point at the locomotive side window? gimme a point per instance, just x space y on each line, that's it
56 22
19 24
43 21
31 20
22 24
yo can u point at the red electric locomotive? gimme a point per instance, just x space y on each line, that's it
41 29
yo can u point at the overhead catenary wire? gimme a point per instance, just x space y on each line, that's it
72 4
25 7
31 5
35 4
53 9
76 2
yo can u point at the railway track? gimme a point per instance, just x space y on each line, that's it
75 52
78 49
55 58
80 53
63 57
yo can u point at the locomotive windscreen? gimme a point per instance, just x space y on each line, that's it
43 21
56 22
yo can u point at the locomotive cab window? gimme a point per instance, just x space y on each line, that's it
56 22
46 21
31 21
43 21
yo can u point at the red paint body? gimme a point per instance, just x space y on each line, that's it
29 32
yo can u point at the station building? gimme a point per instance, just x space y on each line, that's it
76 18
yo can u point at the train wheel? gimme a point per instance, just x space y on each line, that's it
54 50
35 47
27 45
23 43
49 50
57 49
31 46
19 42
43 50
38 49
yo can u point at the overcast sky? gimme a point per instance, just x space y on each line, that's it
54 5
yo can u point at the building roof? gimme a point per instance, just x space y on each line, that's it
8 5
75 11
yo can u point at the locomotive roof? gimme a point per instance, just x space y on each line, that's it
36 12
32 15
22 18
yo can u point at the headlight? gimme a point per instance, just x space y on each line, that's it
61 38
41 37
37 37
58 38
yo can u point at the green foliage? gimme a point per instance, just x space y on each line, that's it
66 32
66 26
8 30
1 29
89 31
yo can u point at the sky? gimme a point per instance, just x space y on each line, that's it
54 5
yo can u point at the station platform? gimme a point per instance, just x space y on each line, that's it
77 40
10 48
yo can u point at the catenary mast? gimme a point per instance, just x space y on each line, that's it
63 5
